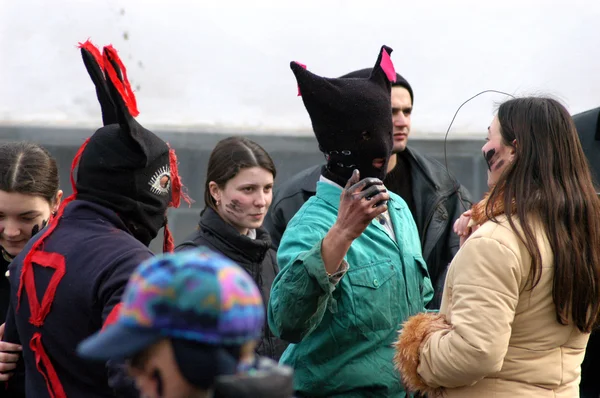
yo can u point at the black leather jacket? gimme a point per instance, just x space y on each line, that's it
588 128
439 200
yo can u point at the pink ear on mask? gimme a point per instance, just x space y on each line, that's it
304 66
387 66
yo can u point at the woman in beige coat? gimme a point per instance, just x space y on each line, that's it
523 292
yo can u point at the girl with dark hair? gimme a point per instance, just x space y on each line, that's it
237 195
523 292
29 196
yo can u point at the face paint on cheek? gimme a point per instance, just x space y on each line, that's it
488 156
234 207
499 165
36 228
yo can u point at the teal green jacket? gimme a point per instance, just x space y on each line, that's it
342 333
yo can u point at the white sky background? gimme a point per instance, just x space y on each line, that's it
199 66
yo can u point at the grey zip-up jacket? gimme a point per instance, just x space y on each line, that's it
439 200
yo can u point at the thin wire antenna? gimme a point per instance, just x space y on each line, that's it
448 131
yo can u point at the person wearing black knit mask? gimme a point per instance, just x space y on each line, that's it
434 197
353 135
351 269
68 281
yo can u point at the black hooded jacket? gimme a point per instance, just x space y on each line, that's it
254 255
588 128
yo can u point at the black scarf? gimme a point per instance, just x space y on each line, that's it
224 237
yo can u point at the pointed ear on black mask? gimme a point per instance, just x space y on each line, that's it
383 72
93 62
311 85
303 77
317 92
121 93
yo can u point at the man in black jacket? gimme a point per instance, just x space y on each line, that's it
588 128
434 197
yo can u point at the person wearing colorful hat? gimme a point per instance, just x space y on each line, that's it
68 280
188 328
351 268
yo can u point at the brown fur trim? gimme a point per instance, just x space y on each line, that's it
483 211
415 332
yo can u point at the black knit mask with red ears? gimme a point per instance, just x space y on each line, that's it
351 118
124 166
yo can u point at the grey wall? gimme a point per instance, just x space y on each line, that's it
290 154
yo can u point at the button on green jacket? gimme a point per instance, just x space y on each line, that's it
343 333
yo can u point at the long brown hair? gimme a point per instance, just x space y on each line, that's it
550 179
229 156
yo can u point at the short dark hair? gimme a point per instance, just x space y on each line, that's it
229 156
400 81
28 169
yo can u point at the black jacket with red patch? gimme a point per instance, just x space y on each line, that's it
87 261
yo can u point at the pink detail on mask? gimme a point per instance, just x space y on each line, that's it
387 66
304 66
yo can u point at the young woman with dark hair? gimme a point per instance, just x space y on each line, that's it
237 195
29 196
523 292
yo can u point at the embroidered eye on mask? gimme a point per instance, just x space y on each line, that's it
160 182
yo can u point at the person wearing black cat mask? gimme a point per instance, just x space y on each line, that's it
67 282
433 195
351 269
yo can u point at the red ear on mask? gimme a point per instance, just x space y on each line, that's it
177 188
117 74
303 66
168 242
177 193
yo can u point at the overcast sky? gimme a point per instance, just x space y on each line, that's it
203 67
